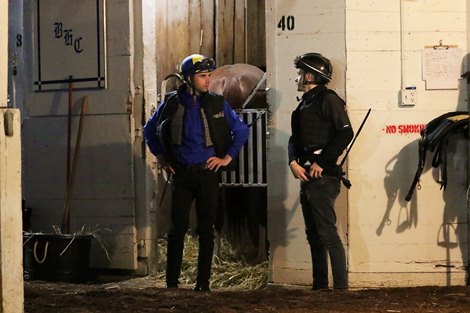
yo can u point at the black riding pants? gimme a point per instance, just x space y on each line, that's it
317 198
201 185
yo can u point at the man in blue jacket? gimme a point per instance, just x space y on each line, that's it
193 134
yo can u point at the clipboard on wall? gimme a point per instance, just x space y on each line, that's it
440 46
441 66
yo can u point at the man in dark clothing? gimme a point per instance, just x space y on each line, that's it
194 133
321 131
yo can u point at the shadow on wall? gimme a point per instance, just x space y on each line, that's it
103 198
453 232
280 214
396 183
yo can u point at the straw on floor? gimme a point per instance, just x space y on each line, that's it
228 270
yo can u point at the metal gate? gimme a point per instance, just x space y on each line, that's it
251 163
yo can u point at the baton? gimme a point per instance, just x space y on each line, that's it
355 137
164 189
346 181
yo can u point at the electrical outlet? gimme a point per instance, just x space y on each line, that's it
408 97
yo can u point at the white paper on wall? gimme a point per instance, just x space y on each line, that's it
442 67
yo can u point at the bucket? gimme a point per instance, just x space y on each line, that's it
54 258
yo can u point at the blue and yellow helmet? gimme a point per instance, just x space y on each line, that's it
196 63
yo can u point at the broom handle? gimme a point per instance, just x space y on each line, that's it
69 128
66 216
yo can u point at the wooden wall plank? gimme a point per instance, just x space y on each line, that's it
231 31
208 22
239 32
162 41
178 34
194 26
261 40
224 36
255 33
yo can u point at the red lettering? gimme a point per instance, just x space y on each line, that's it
390 129
404 128
410 128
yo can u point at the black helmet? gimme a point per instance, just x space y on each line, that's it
317 64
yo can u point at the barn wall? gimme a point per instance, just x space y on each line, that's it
11 252
312 26
145 41
11 269
229 31
144 166
3 55
427 237
375 49
112 188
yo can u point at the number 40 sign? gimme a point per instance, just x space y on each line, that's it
69 44
286 22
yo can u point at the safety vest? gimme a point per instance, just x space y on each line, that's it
311 127
170 126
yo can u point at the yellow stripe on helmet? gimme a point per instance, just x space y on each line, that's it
197 58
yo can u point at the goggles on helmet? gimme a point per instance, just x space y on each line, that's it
207 64
196 63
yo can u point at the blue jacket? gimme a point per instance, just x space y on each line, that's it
193 146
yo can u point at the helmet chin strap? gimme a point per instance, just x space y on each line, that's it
190 84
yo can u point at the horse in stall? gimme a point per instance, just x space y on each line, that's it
242 209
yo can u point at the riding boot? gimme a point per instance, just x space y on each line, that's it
174 260
319 267
338 267
204 262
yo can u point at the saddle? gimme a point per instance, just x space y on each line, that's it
434 138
